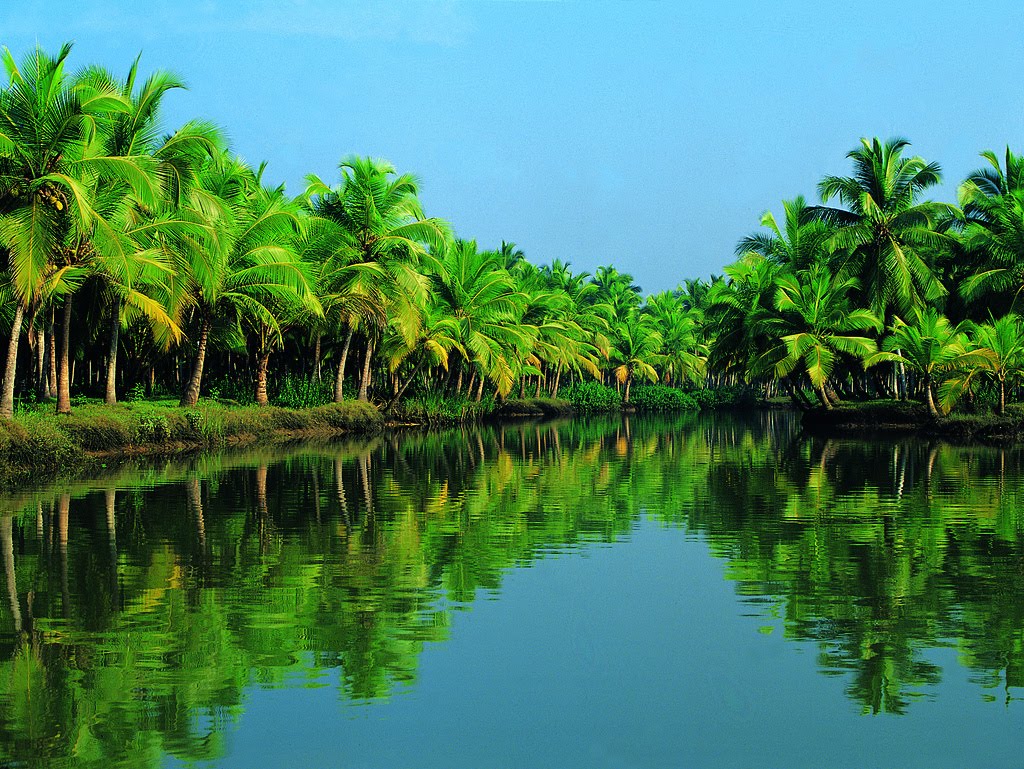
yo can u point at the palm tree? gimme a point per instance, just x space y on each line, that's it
886 234
437 337
682 330
380 222
637 349
931 345
246 265
815 326
480 295
44 154
138 263
737 308
996 351
801 243
993 238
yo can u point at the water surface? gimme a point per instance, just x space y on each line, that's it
687 591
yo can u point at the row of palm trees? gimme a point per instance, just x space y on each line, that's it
877 291
149 259
118 237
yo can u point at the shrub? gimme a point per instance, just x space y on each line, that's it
661 398
589 397
731 396
297 393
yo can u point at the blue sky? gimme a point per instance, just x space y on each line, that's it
651 135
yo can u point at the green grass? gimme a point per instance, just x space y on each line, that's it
38 443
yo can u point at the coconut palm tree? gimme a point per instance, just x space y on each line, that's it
930 345
637 350
246 264
993 235
46 162
801 242
815 326
888 237
137 265
481 296
995 352
381 222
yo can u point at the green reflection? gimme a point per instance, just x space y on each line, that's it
138 609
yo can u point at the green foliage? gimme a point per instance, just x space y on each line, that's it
592 397
439 409
293 392
734 396
662 398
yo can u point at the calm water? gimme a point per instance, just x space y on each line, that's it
690 591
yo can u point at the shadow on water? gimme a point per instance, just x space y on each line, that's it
139 608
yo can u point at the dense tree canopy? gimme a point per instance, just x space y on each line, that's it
139 259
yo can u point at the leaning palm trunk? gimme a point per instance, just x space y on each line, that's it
115 330
405 384
929 398
10 370
191 395
63 369
340 379
261 378
823 397
364 381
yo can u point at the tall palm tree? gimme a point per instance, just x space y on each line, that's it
815 326
381 222
801 241
995 352
246 265
637 350
481 297
136 266
887 236
993 237
930 345
46 164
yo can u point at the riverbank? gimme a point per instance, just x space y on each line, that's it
911 418
36 446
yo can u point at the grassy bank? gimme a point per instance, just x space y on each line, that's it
43 445
908 417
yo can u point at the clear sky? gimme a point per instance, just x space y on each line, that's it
651 135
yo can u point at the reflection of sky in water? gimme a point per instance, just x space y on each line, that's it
692 591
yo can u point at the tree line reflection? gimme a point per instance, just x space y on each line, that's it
138 609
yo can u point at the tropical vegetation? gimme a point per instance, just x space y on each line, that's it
144 259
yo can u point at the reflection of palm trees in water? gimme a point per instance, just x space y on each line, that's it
7 553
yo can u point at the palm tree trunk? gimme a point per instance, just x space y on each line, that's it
51 351
261 378
364 381
480 388
115 330
558 378
1002 397
41 363
316 358
629 384
406 383
339 380
823 397
540 381
7 551
928 396
63 370
11 369
522 387
191 394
